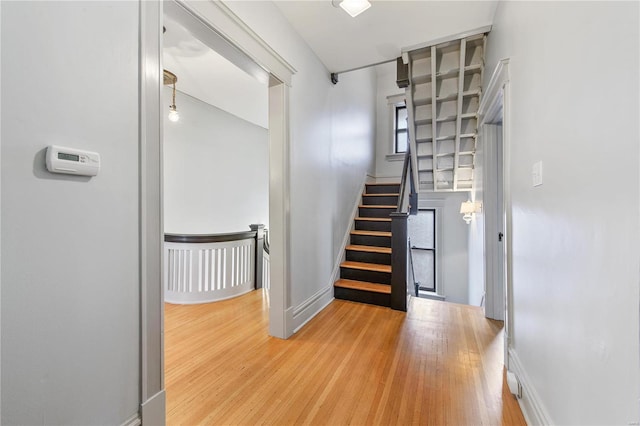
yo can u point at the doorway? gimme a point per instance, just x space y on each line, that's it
208 21
494 132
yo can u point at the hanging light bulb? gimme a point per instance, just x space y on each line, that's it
171 78
173 114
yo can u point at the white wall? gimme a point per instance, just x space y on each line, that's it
216 170
386 170
451 244
70 274
574 106
330 155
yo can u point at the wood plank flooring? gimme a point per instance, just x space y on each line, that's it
438 364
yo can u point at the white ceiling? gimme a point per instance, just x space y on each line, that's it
205 75
378 34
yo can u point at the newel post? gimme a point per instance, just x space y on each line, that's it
259 257
399 261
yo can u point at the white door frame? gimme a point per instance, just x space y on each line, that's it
243 47
493 218
495 105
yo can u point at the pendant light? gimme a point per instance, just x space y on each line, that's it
170 78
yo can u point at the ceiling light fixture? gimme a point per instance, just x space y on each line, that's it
170 78
352 7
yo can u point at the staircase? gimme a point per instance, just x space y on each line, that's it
365 275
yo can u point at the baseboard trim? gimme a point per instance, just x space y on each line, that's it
530 404
135 420
311 307
153 410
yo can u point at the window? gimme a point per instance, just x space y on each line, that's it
400 132
422 231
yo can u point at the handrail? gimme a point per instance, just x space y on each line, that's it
403 182
407 202
412 271
208 238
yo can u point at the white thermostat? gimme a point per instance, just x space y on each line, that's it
72 161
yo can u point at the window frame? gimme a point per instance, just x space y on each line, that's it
433 249
396 130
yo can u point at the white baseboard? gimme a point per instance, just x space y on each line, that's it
530 404
311 307
135 420
153 410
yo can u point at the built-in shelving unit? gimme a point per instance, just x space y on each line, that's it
443 99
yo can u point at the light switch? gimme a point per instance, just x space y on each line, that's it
536 173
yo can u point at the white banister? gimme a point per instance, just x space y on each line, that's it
207 272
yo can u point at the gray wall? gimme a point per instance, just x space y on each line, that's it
216 170
70 275
332 138
574 106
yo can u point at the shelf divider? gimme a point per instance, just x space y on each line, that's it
434 114
456 157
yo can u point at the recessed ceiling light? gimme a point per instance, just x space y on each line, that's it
355 7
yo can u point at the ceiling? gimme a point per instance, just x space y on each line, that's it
205 75
381 32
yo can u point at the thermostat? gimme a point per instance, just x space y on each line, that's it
72 161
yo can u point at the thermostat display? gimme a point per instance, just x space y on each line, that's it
72 161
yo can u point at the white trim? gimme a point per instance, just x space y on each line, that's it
311 307
494 278
0 223
457 36
488 106
396 99
496 101
431 295
153 410
150 187
134 420
531 405
221 19
279 212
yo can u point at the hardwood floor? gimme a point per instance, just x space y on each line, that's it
438 364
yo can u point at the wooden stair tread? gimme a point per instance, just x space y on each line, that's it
375 219
371 233
364 286
381 195
363 266
369 249
368 206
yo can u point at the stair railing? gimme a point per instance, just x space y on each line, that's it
407 204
